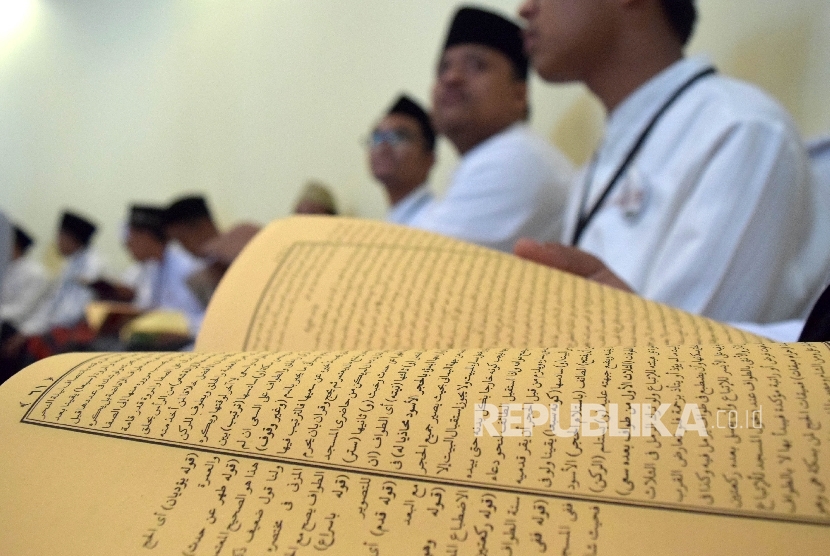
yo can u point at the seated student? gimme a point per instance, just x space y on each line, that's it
64 306
700 195
163 267
24 284
58 323
401 155
509 182
189 221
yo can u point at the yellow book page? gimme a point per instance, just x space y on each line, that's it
366 452
321 283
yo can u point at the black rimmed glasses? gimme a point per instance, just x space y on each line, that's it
392 137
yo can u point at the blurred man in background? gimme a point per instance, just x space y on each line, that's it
25 283
509 182
401 155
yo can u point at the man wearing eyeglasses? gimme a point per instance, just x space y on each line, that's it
509 182
401 155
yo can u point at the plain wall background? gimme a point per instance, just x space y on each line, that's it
108 102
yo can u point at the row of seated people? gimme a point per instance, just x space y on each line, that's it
179 257
175 279
700 196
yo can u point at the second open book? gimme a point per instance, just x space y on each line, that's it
361 388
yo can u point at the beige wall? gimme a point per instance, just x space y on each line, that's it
104 102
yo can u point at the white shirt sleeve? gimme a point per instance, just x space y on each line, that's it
509 187
718 214
738 230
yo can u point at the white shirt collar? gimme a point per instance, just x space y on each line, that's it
514 128
629 119
406 208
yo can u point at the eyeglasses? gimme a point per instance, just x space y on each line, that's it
392 137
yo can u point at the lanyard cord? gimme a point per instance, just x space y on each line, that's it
585 219
418 205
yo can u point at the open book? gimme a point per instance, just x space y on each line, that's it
362 388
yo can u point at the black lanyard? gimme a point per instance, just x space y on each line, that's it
418 205
585 219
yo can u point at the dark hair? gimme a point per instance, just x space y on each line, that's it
472 25
150 219
22 240
682 16
408 107
187 210
77 227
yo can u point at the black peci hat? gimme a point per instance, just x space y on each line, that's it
78 227
477 26
148 218
22 240
407 106
186 209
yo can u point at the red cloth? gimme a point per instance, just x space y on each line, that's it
60 340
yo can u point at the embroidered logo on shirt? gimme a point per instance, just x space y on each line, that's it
632 195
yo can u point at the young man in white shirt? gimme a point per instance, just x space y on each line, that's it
700 195
24 283
509 182
163 267
58 324
66 302
401 155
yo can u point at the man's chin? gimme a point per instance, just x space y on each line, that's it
548 71
450 121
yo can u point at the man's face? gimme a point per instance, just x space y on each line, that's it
398 153
67 244
476 93
564 38
141 244
185 234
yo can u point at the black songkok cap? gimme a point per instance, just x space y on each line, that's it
407 106
148 218
78 227
477 26
187 209
22 240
